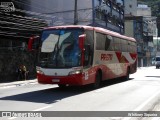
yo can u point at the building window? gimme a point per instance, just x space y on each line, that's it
130 6
108 3
114 7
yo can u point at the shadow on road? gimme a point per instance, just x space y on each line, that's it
154 76
53 95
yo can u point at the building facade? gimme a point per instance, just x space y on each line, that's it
108 14
151 31
134 27
140 24
16 29
130 7
143 29
143 10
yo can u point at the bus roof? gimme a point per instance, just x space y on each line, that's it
115 34
98 29
71 26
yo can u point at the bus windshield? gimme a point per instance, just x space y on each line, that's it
60 48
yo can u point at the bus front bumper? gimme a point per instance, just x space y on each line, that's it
70 79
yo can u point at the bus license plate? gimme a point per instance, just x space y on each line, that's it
55 80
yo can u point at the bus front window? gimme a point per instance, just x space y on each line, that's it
60 48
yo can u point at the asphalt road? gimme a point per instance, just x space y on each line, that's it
140 93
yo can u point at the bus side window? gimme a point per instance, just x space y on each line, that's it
117 43
107 42
111 46
87 55
129 46
100 40
124 45
134 47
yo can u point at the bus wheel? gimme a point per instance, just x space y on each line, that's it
97 82
127 75
62 86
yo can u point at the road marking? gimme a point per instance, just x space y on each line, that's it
43 108
39 109
12 118
146 102
156 118
143 105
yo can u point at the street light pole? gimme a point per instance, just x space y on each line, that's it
75 13
157 44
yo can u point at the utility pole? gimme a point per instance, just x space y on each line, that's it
75 13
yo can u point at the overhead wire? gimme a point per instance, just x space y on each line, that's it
48 13
12 24
31 26
38 8
42 14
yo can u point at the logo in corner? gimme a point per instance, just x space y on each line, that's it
7 7
6 114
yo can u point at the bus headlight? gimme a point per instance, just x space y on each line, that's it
75 72
40 72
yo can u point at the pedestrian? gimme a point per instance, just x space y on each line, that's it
19 72
24 72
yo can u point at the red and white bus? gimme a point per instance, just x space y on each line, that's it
80 55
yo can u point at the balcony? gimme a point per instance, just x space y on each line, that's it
114 12
113 27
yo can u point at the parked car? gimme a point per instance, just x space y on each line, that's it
157 61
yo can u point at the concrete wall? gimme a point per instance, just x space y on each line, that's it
130 7
61 12
129 28
10 60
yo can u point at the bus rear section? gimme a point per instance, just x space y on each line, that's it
117 54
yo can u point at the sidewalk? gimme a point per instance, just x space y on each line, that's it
146 67
17 83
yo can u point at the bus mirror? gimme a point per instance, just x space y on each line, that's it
33 43
81 41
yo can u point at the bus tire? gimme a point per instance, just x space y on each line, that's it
127 74
62 86
97 82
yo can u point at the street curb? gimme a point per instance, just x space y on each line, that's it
17 83
146 67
